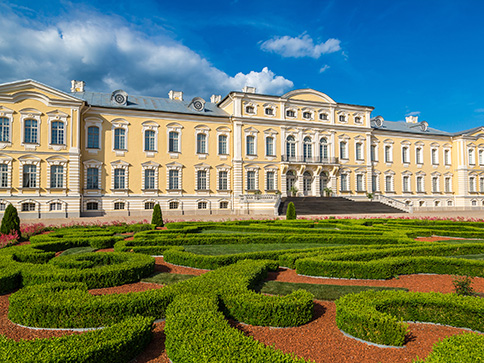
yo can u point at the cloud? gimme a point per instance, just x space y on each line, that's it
301 46
108 53
413 113
324 68
479 110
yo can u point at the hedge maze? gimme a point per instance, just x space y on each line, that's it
51 290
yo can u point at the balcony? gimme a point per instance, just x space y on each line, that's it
309 160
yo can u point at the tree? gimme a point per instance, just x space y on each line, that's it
10 221
157 218
291 211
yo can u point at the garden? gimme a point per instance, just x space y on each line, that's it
340 290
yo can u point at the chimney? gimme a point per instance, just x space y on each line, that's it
215 98
248 89
175 95
77 86
411 119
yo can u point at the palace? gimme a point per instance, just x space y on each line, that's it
88 153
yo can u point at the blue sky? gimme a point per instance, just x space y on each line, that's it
420 58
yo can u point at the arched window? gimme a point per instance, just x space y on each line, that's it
92 206
150 140
93 137
201 143
323 149
119 139
308 148
290 147
173 145
57 133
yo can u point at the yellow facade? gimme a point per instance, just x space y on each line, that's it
85 153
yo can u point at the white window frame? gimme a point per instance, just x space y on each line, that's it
119 164
435 184
419 155
254 108
174 127
150 165
270 169
95 165
360 186
150 126
57 116
309 111
93 122
30 114
206 169
472 184
223 131
251 132
448 184
7 160
8 114
54 161
29 160
346 177
120 124
389 188
471 153
405 154
270 106
292 109
406 187
388 158
343 150
434 156
223 168
361 146
256 178
420 187
447 156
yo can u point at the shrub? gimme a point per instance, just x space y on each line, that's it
291 211
157 218
462 285
10 221
467 347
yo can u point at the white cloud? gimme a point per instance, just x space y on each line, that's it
324 68
108 54
301 46
413 113
479 110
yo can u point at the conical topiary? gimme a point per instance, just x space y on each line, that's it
291 211
10 221
157 218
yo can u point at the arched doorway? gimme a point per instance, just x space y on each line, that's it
307 183
290 181
323 182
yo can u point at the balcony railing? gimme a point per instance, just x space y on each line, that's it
312 159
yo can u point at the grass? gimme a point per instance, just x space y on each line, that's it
241 248
77 250
166 278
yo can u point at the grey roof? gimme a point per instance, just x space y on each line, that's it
468 131
407 127
150 104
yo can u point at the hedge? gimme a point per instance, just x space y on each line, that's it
197 332
118 343
462 348
128 246
377 316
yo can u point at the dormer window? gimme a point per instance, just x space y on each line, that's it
269 111
342 118
323 116
357 120
307 115
249 109
291 113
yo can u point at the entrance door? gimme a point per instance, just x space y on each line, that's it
323 182
290 182
307 182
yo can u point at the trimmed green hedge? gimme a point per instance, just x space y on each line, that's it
377 316
197 332
118 343
462 348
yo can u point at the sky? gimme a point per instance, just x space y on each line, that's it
421 58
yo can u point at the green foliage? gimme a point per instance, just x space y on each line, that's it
462 348
462 285
157 218
10 221
291 211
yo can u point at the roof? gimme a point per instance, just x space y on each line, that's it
98 99
408 127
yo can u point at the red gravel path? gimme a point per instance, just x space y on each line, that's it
319 340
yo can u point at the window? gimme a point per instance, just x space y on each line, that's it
481 157
57 133
119 139
201 143
224 205
223 180
270 146
437 203
201 180
418 155
55 206
249 109
474 203
447 157
420 184
30 131
202 205
405 156
406 184
472 161
307 148
374 183
149 205
449 203
343 148
119 205
119 178
434 157
307 115
92 206
359 151
323 116
481 185
270 180
291 147
373 153
359 183
435 184
358 120
251 185
342 118
4 129
388 183
92 178
3 175
150 179
173 146
173 180
28 207
323 149
344 182
290 113
250 145
56 176
93 137
472 184
447 185
3 206
388 154
173 205
269 111
222 144
150 140
29 176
